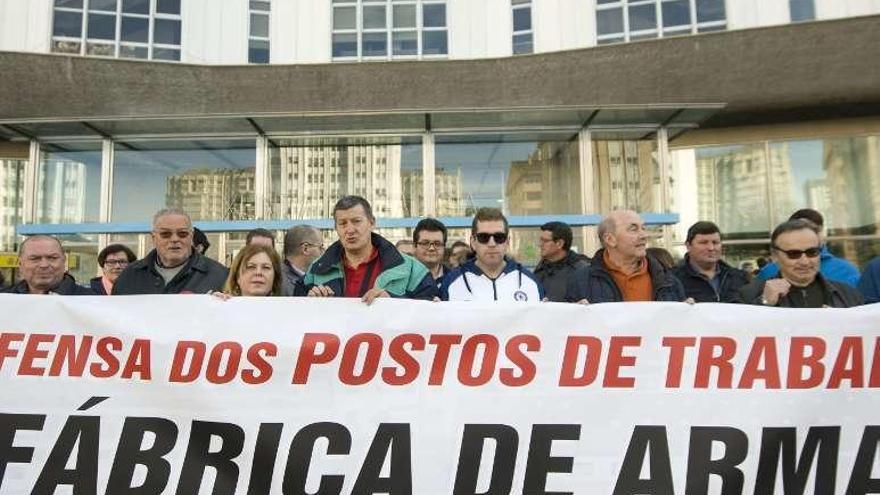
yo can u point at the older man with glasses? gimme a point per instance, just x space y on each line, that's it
173 267
491 275
796 248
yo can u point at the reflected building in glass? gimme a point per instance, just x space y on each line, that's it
628 175
549 180
61 196
213 194
11 200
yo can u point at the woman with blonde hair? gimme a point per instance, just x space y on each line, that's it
255 271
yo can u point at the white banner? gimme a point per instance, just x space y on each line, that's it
193 395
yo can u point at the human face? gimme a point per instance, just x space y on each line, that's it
354 228
801 271
172 236
491 253
312 249
704 250
42 264
114 263
459 253
430 247
630 238
256 275
550 249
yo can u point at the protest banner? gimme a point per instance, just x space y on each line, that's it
193 395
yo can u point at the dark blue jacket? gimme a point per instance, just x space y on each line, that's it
696 284
870 282
67 287
595 284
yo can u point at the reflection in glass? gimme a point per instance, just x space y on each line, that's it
74 4
345 45
522 43
676 13
344 18
82 256
166 54
627 174
609 21
67 24
135 29
260 25
308 177
126 51
711 10
374 17
434 43
434 15
209 180
100 49
136 6
258 51
11 199
522 19
68 185
520 178
166 31
168 7
405 43
404 16
375 44
103 5
802 10
62 46
102 27
642 17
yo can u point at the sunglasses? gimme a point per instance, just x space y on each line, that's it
795 254
483 237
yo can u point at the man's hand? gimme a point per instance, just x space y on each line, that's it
374 293
690 301
583 301
774 289
219 295
321 291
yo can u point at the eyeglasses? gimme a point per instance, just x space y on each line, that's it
309 244
795 254
483 237
116 262
430 244
168 234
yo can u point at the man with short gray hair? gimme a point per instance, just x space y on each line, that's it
302 246
173 267
43 269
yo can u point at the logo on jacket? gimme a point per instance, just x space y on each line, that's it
520 296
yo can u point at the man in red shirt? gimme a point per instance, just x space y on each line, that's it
364 264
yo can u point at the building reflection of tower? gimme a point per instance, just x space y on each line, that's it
628 175
213 194
447 192
732 187
11 199
852 167
61 192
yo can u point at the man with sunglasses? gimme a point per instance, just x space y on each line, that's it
173 267
302 246
490 275
830 266
796 248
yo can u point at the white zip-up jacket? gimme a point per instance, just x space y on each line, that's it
469 283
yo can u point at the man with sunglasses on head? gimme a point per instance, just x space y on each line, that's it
173 267
490 275
795 246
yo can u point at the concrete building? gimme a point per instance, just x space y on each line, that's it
724 110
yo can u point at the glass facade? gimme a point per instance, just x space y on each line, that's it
523 35
802 10
307 176
146 29
747 189
632 20
258 38
210 180
521 175
389 29
627 175
11 200
69 183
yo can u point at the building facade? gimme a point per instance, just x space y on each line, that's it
262 113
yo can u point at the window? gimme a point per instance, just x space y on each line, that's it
145 29
258 39
522 27
802 10
389 29
632 20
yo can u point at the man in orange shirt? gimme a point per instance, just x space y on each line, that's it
622 270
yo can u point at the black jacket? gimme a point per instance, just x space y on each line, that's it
67 287
595 284
199 276
97 286
554 275
696 285
837 294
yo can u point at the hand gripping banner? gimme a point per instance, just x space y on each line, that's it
192 395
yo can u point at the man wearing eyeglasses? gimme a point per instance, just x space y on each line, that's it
623 270
490 275
795 246
429 238
302 246
173 267
558 261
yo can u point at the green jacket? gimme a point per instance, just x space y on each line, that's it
401 275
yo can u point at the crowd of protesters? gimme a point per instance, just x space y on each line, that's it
362 264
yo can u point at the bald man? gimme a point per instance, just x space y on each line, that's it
622 270
43 269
